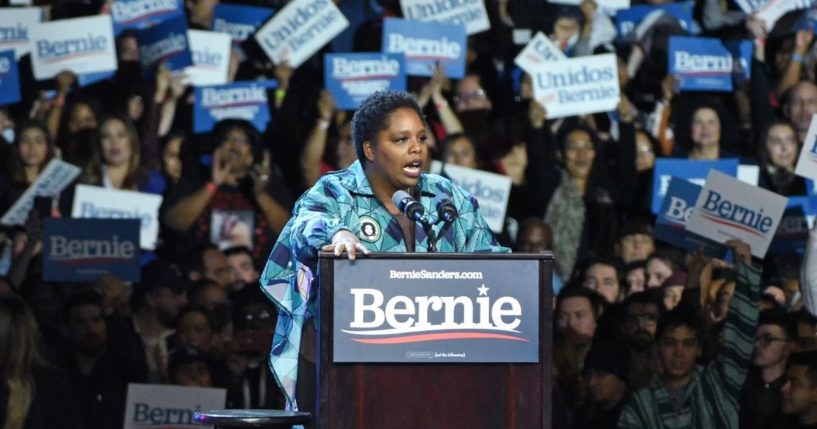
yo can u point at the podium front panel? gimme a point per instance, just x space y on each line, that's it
438 391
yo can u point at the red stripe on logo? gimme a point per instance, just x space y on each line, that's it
438 337
733 225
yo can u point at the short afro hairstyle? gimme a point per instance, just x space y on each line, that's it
373 115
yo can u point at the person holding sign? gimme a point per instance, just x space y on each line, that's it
352 212
33 149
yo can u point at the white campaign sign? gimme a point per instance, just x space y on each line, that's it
577 86
56 176
103 203
211 57
299 30
774 9
470 13
749 174
490 189
81 45
537 52
607 5
15 28
167 406
807 163
730 209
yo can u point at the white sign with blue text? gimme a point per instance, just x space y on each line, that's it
15 28
81 45
239 21
164 43
606 5
211 57
104 203
56 176
426 44
671 222
730 209
299 30
537 52
468 13
239 100
490 189
166 406
143 13
577 86
807 162
9 79
773 10
350 78
627 20
700 64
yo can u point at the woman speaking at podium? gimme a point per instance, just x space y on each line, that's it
383 202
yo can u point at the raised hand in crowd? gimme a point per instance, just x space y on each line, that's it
315 145
537 114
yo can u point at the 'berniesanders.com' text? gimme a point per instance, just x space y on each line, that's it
442 274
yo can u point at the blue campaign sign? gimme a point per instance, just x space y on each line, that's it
79 250
86 79
742 51
691 170
239 100
671 222
9 78
700 64
350 78
240 22
143 13
425 44
628 19
793 232
164 42
435 311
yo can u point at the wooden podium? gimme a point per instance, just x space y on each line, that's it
435 395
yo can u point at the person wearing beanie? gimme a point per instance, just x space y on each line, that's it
606 370
673 289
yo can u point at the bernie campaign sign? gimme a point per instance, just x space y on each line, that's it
15 24
56 176
490 189
425 44
772 10
807 162
239 21
211 57
9 79
605 5
141 14
537 52
671 223
80 250
700 64
166 42
691 170
104 203
578 85
81 45
628 19
299 30
161 406
792 234
239 100
350 78
468 13
730 209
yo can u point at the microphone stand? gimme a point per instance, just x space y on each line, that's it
431 241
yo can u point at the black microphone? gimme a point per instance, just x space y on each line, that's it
409 206
445 208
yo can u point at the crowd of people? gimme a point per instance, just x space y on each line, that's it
646 334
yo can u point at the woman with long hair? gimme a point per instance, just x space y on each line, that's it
777 152
33 149
116 161
25 402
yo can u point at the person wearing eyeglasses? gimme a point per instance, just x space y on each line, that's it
688 395
760 398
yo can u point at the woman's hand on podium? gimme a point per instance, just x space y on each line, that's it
345 241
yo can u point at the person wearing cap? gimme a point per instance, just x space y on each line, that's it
157 300
606 371
687 395
352 211
635 242
672 290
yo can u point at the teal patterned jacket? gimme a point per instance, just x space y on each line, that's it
344 200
